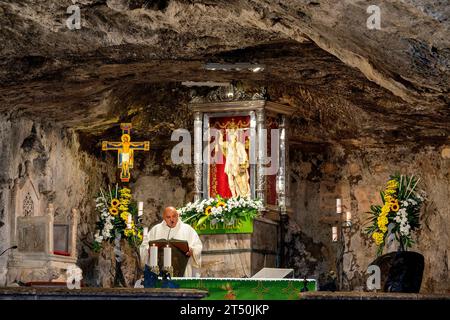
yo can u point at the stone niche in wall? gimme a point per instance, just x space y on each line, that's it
46 243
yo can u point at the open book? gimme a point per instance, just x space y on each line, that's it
179 257
181 245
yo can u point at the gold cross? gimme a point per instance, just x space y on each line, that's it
125 151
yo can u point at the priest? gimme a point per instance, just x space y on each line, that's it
173 227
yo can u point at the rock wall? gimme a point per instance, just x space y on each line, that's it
321 173
64 175
157 182
70 177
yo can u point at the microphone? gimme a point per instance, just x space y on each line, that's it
13 247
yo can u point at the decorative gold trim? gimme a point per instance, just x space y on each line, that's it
213 173
244 105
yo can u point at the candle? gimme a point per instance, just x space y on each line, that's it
167 256
339 205
129 221
140 208
334 231
153 256
348 217
145 232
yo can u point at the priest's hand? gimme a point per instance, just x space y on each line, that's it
189 253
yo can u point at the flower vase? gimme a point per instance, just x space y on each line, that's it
391 243
119 280
401 271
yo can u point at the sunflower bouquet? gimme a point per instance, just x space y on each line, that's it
399 213
218 209
118 215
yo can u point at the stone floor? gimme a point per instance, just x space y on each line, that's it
28 293
357 295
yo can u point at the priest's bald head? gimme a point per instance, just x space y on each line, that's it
170 216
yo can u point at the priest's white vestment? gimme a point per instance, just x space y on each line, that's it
181 231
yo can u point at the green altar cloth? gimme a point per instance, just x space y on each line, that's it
247 288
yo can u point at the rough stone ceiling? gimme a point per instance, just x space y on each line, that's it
390 84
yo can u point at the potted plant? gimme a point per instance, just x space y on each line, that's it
396 220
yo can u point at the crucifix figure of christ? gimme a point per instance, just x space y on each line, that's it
125 150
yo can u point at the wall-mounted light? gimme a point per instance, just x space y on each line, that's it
348 219
204 84
338 221
254 67
334 234
140 208
338 205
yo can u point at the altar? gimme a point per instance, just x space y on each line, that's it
241 151
248 288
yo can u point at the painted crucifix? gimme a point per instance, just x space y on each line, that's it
125 150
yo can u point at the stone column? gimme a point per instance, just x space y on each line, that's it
282 177
198 146
261 155
73 225
50 221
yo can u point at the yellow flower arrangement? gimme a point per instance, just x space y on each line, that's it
400 211
115 209
124 215
390 203
208 210
395 206
378 237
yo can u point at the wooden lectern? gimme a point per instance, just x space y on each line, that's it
179 257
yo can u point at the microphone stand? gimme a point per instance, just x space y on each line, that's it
168 235
13 247
166 272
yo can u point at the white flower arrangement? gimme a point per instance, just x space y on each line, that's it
117 215
107 218
220 210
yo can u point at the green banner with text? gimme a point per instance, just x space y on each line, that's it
239 226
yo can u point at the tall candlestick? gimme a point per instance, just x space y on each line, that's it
167 256
348 217
339 205
129 219
140 208
334 236
153 256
